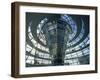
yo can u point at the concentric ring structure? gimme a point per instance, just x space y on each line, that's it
57 39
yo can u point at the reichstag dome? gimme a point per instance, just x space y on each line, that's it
57 39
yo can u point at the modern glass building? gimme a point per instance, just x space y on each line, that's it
57 39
